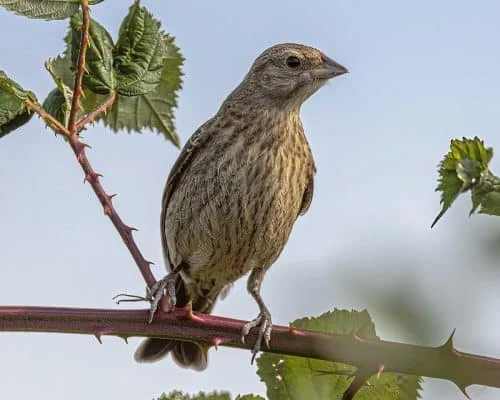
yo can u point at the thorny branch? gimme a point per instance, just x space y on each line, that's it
80 67
444 362
78 148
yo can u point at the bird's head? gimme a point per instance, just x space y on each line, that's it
287 75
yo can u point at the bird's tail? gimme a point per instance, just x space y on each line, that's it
186 354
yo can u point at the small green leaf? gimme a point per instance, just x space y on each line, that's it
13 110
100 75
140 52
461 170
53 100
55 105
44 9
153 110
60 67
288 377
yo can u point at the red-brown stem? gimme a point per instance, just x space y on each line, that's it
124 230
80 66
444 362
91 116
79 149
54 123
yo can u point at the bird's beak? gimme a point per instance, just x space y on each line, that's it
329 69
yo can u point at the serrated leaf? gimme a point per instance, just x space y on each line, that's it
140 52
45 9
58 103
100 75
61 67
153 110
460 170
288 377
490 204
13 111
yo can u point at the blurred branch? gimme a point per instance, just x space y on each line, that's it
444 362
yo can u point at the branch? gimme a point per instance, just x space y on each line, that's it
49 119
78 147
80 66
444 362
91 116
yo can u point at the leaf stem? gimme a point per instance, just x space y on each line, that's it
91 116
54 123
80 67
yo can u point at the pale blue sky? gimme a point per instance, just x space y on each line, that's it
421 73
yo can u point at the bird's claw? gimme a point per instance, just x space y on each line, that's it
264 324
165 286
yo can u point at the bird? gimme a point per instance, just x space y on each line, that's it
235 192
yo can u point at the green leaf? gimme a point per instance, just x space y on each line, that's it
100 75
153 110
140 52
44 9
55 105
249 397
288 377
460 170
178 395
13 110
59 103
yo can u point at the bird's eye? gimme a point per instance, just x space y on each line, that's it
293 62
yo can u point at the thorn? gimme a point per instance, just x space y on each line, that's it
111 196
92 177
448 345
80 146
462 389
149 262
380 369
216 341
98 337
125 338
295 332
130 229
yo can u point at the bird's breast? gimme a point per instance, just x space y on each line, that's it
234 208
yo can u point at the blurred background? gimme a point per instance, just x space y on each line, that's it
422 73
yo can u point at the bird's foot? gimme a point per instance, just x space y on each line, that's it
264 324
163 287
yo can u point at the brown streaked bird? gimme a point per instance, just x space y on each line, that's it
235 191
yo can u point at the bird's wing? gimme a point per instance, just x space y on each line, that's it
195 142
308 192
